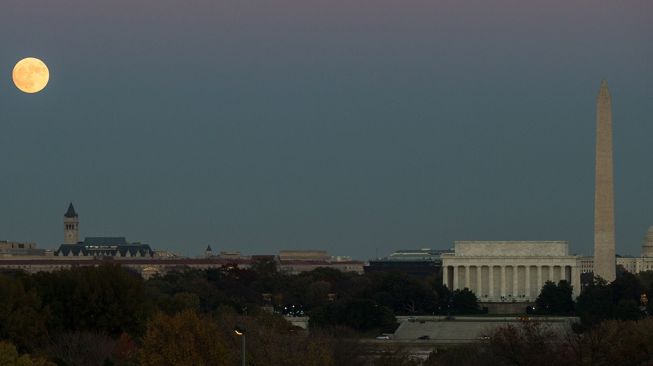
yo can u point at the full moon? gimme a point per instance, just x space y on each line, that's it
31 75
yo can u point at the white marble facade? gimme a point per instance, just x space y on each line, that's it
499 271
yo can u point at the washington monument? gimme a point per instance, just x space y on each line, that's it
604 251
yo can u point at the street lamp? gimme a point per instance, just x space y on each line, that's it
240 331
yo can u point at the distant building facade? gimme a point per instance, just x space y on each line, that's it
105 247
635 264
509 271
12 248
146 267
96 251
304 255
586 264
96 246
630 264
151 266
298 261
415 262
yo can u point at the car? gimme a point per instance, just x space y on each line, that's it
383 337
484 337
424 338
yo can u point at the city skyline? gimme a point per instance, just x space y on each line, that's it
359 128
71 236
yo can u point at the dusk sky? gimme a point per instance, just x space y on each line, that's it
359 127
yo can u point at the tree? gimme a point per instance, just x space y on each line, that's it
359 314
9 357
615 342
185 339
317 294
525 344
595 302
612 342
618 300
22 316
464 302
401 293
626 287
82 348
106 299
273 341
646 278
555 299
125 351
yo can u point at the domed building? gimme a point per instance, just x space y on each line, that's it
647 247
645 261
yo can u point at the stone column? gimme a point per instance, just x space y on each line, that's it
479 282
445 276
551 273
575 281
515 281
490 289
528 282
569 279
539 279
467 281
503 281
455 277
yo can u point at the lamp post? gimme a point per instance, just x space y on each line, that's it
240 331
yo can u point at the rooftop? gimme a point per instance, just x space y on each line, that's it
71 211
425 254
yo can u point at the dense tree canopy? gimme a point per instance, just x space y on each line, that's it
108 315
555 299
9 356
107 299
185 339
619 299
613 342
22 315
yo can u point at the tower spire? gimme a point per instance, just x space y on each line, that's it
71 211
70 226
604 242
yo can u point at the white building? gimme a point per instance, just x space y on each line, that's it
630 264
643 263
500 271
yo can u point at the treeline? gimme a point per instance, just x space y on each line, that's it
109 315
615 329
611 342
625 298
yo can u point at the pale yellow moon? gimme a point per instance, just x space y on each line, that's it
31 75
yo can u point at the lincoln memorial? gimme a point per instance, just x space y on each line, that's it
500 271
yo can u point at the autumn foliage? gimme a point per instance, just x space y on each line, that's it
185 339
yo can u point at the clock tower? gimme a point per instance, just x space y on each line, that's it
70 226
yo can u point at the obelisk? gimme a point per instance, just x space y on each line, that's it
604 251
